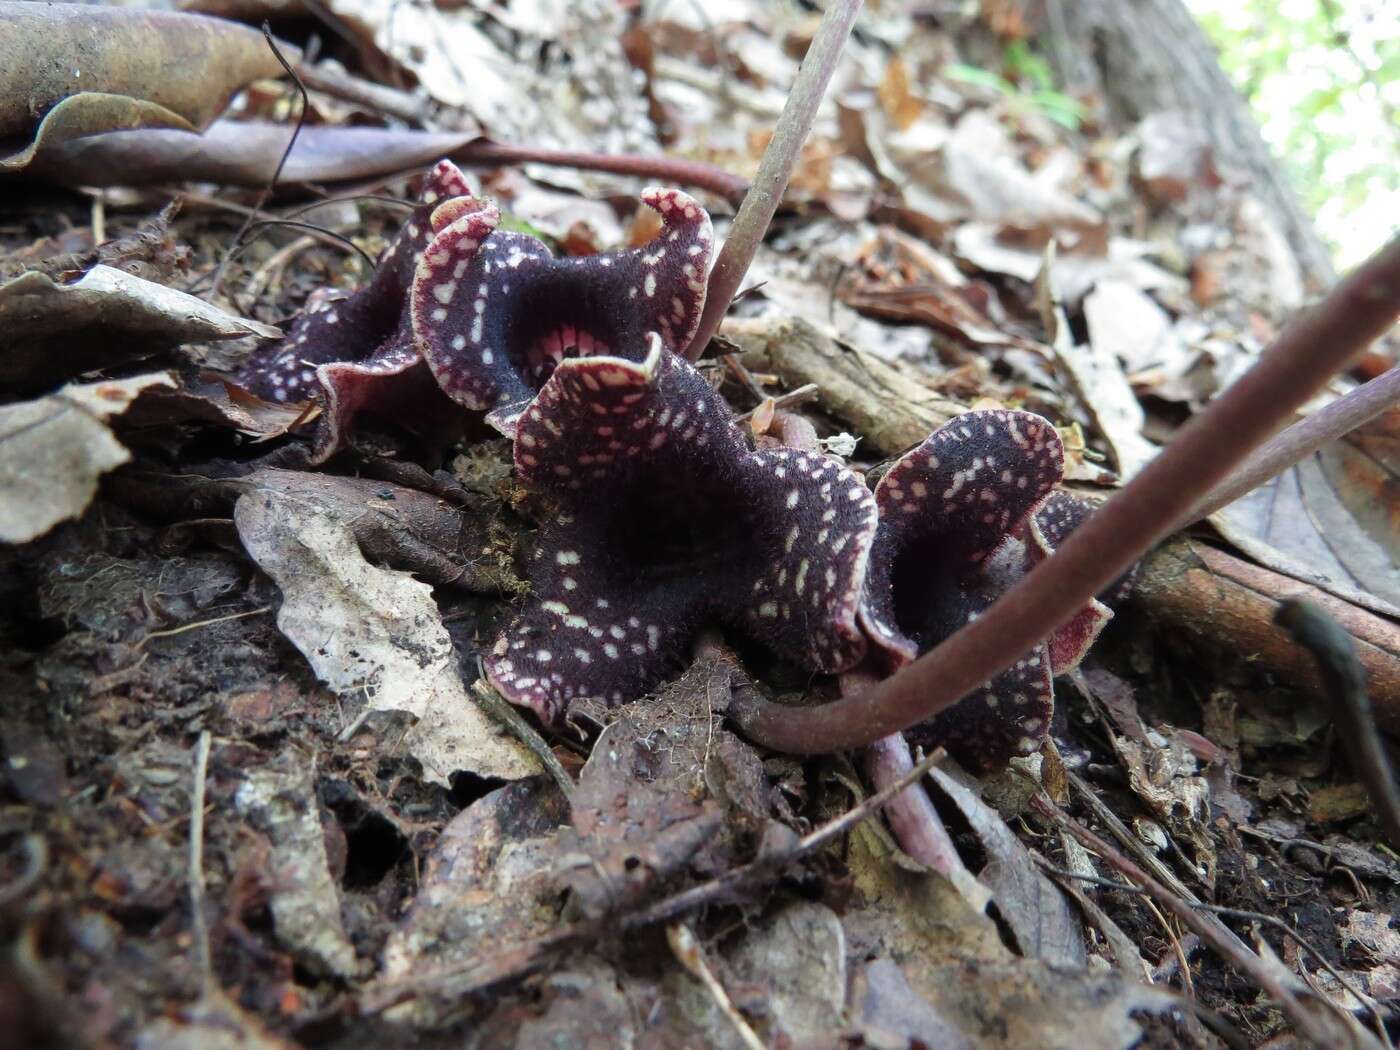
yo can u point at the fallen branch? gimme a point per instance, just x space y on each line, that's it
1215 597
1314 346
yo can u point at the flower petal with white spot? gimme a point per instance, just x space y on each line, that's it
494 318
667 522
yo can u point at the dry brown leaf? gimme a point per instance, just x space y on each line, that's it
78 69
107 317
244 154
374 633
1332 519
1035 909
53 450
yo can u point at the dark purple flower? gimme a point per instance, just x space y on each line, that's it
495 318
958 526
357 352
664 521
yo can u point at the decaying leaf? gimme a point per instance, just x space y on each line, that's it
488 885
77 69
1330 520
279 800
374 633
53 450
55 331
244 153
1035 909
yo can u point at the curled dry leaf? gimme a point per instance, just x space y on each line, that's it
71 70
244 154
53 450
374 633
56 330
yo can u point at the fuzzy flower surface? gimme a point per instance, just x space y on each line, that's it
357 352
495 317
958 526
666 522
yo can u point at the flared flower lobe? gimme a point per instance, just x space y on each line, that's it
947 547
667 522
356 351
494 318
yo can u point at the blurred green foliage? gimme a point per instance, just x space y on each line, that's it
1323 78
1027 83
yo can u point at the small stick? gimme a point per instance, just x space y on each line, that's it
1315 344
200 924
1345 679
774 170
171 632
499 708
1245 961
689 954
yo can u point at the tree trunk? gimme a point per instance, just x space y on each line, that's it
1147 56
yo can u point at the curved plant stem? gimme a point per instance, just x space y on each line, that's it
1314 346
1299 441
774 170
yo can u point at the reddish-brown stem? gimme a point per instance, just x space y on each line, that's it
1300 440
668 169
913 819
800 110
1314 346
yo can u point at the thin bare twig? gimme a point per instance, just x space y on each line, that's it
774 170
1245 961
509 715
689 954
1314 346
1341 672
170 632
198 921
281 163
1272 921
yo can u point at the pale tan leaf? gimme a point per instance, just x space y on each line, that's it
375 633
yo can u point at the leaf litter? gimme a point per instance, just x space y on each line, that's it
378 844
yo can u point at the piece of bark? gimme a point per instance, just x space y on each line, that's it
887 408
1231 603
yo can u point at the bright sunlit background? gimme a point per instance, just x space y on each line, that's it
1323 77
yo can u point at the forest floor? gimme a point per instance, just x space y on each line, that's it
217 830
